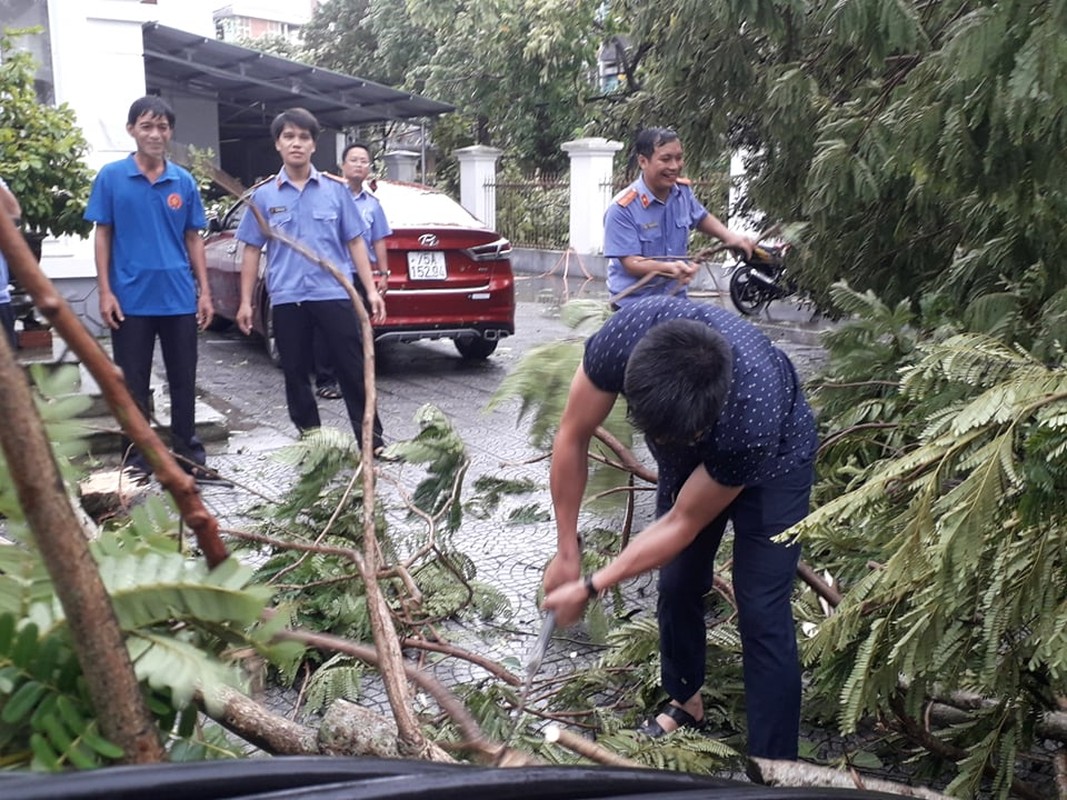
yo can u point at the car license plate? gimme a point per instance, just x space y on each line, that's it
426 265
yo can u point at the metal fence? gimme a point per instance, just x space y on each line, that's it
713 193
534 211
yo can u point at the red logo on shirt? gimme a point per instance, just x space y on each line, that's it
174 201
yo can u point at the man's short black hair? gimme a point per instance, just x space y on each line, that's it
298 118
677 380
152 106
354 145
650 138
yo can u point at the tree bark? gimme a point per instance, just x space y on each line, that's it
797 773
98 641
261 727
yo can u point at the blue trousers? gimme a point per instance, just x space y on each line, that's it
296 325
763 574
132 345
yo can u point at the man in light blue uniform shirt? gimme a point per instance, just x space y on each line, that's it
355 168
646 227
315 209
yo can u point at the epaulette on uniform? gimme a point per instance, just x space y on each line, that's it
626 197
259 183
333 177
683 181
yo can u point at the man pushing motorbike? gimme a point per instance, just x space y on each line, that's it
724 416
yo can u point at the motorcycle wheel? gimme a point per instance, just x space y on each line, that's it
747 294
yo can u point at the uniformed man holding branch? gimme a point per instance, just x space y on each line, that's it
649 221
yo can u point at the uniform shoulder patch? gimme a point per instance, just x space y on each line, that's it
625 198
260 182
333 177
684 181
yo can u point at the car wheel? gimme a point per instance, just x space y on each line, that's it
475 348
270 343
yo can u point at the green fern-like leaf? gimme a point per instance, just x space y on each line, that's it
167 663
339 677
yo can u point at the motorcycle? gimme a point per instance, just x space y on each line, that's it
756 281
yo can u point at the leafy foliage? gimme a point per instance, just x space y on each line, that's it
49 719
946 527
517 71
182 622
374 39
924 143
541 381
323 588
339 677
42 149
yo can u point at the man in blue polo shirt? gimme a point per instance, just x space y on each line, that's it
646 227
724 416
151 273
355 168
315 209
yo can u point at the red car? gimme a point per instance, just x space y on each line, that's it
450 275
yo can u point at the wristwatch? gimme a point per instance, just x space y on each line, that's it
590 588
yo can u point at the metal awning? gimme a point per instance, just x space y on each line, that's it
251 87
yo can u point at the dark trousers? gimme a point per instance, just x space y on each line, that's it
132 345
323 366
7 322
334 321
763 574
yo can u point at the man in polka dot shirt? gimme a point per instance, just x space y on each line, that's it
724 416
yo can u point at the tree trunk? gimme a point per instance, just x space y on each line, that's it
94 630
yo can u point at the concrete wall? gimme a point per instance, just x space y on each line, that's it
98 68
537 262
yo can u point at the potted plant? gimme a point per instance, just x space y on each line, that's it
42 153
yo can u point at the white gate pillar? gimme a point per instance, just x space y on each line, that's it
477 181
400 165
592 161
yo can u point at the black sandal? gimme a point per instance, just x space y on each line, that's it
206 476
329 393
652 729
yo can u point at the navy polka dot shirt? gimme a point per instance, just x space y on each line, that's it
766 428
